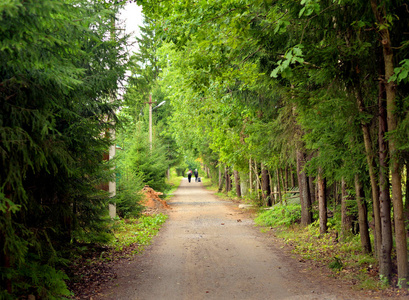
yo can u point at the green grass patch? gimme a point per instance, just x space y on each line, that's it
208 184
138 232
90 261
343 257
279 215
173 182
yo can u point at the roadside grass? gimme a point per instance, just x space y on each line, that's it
140 231
343 256
207 183
92 265
137 232
173 182
130 237
92 262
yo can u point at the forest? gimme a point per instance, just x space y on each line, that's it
299 104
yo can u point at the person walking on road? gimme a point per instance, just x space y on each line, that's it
189 175
196 174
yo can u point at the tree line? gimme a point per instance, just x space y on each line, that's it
308 94
61 67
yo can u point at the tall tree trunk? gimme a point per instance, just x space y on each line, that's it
370 157
265 185
256 173
392 122
228 178
280 196
286 178
407 194
221 178
362 216
250 177
346 217
237 183
322 203
385 261
306 214
272 189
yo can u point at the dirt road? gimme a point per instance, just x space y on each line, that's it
208 249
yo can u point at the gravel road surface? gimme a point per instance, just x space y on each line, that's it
210 249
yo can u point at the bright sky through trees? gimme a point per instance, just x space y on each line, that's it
132 15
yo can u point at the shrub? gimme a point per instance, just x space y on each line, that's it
280 215
128 196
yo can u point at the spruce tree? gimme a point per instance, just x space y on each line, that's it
58 74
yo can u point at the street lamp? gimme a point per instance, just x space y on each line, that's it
160 104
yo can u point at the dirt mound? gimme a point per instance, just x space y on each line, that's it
152 200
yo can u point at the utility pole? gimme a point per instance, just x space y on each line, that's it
150 121
112 152
150 117
112 184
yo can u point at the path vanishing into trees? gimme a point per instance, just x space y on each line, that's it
210 249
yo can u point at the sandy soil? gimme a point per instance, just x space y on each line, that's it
210 249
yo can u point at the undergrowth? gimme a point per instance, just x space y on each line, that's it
137 231
173 183
92 265
279 215
343 256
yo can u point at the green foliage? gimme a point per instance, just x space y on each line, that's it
140 163
137 231
58 72
402 283
336 264
191 163
128 195
291 57
45 281
401 73
279 215
137 163
337 254
130 237
42 280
